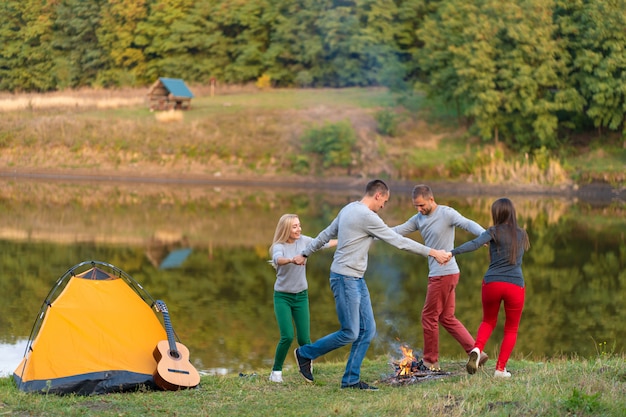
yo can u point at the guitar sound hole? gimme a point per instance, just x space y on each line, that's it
174 354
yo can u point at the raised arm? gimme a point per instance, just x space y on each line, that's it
325 239
472 245
466 224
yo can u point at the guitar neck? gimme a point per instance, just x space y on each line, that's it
171 339
169 330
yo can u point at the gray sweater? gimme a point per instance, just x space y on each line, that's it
437 230
500 270
355 228
290 278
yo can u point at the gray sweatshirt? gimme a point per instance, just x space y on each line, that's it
290 278
500 270
356 227
437 229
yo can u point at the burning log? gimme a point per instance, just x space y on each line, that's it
409 369
408 365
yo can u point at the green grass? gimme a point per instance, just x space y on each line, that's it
556 387
268 100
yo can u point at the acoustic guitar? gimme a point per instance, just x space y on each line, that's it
174 370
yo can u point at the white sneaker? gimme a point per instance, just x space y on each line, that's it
276 376
502 374
472 361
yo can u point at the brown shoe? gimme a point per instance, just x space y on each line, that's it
434 367
472 361
483 359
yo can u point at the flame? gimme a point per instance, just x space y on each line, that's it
406 362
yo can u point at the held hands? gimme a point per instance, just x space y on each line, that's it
441 255
299 260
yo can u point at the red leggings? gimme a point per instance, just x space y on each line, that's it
513 297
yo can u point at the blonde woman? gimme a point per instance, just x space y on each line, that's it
291 297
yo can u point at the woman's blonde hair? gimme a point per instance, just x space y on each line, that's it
283 230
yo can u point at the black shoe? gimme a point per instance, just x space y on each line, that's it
361 385
305 366
419 366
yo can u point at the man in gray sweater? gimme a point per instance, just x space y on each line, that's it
356 226
437 224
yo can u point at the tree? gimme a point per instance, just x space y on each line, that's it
334 43
26 56
159 37
79 55
596 42
116 33
295 52
358 41
404 70
500 64
244 27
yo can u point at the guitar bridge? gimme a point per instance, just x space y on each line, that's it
178 371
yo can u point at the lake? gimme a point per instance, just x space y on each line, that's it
219 291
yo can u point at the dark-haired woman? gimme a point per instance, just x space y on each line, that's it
502 283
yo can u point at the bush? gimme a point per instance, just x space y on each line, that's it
264 82
334 143
388 122
304 79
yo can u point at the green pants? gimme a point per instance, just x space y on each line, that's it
288 307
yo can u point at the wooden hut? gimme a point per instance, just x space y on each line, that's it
168 94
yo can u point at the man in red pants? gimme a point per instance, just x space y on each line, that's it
437 224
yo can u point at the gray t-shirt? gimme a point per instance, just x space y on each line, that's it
290 278
437 230
356 227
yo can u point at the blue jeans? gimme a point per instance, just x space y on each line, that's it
356 318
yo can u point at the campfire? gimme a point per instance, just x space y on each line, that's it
409 369
408 364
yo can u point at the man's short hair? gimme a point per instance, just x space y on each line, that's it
376 186
422 190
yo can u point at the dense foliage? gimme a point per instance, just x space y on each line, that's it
529 72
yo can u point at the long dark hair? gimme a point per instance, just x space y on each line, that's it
506 228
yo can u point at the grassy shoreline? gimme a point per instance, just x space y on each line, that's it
554 387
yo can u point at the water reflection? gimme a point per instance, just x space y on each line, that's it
220 295
10 355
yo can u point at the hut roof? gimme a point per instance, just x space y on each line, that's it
174 86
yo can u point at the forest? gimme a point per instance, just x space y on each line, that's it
530 73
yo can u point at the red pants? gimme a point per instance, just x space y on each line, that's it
513 297
439 308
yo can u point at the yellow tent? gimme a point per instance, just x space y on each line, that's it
97 336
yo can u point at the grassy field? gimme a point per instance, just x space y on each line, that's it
246 132
556 387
